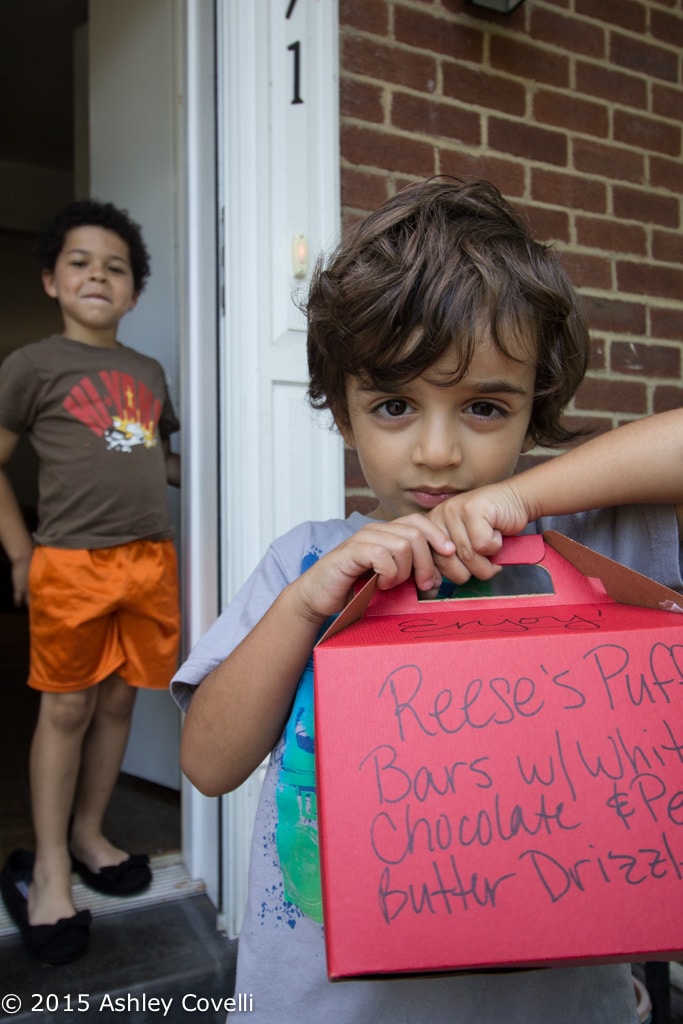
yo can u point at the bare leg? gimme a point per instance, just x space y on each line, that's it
54 763
103 749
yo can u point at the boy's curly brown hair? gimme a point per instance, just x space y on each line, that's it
93 213
444 263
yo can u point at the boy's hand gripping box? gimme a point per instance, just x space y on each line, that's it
501 779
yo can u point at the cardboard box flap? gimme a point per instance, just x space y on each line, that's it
579 576
624 585
354 610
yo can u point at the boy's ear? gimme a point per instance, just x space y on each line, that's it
529 443
49 286
344 428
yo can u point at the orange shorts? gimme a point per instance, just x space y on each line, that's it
92 613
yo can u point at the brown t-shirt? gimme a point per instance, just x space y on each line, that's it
96 418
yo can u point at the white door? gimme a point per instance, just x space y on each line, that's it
279 192
130 137
256 460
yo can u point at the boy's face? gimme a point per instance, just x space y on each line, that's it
93 283
424 442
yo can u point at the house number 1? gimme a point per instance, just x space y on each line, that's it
295 49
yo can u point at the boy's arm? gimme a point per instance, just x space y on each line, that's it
639 462
239 710
172 461
14 536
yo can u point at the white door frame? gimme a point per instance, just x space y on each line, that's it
200 513
278 178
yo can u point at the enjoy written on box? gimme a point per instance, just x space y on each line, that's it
500 779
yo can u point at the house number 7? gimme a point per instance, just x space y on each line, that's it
295 49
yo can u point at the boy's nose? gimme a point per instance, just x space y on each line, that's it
438 447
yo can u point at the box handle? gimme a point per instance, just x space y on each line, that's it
579 576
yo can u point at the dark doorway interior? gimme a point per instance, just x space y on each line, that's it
37 144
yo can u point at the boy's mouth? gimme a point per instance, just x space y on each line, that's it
430 497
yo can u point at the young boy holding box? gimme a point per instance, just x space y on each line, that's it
445 341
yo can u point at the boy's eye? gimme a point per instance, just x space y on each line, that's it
486 410
393 407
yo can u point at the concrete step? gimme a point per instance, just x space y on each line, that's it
144 963
170 881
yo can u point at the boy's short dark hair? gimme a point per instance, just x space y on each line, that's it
93 213
431 268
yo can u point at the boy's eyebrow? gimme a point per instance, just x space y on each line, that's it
497 387
77 250
490 387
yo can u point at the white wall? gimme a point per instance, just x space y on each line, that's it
133 152
132 131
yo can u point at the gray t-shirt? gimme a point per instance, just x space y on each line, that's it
281 959
96 418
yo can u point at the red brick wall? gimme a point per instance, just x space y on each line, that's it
574 109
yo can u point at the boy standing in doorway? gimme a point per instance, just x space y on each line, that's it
100 574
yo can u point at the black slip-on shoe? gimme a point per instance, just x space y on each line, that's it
57 943
125 879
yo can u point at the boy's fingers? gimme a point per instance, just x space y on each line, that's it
484 513
393 550
471 530
476 542
405 546
395 563
419 529
432 542
459 569
480 539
